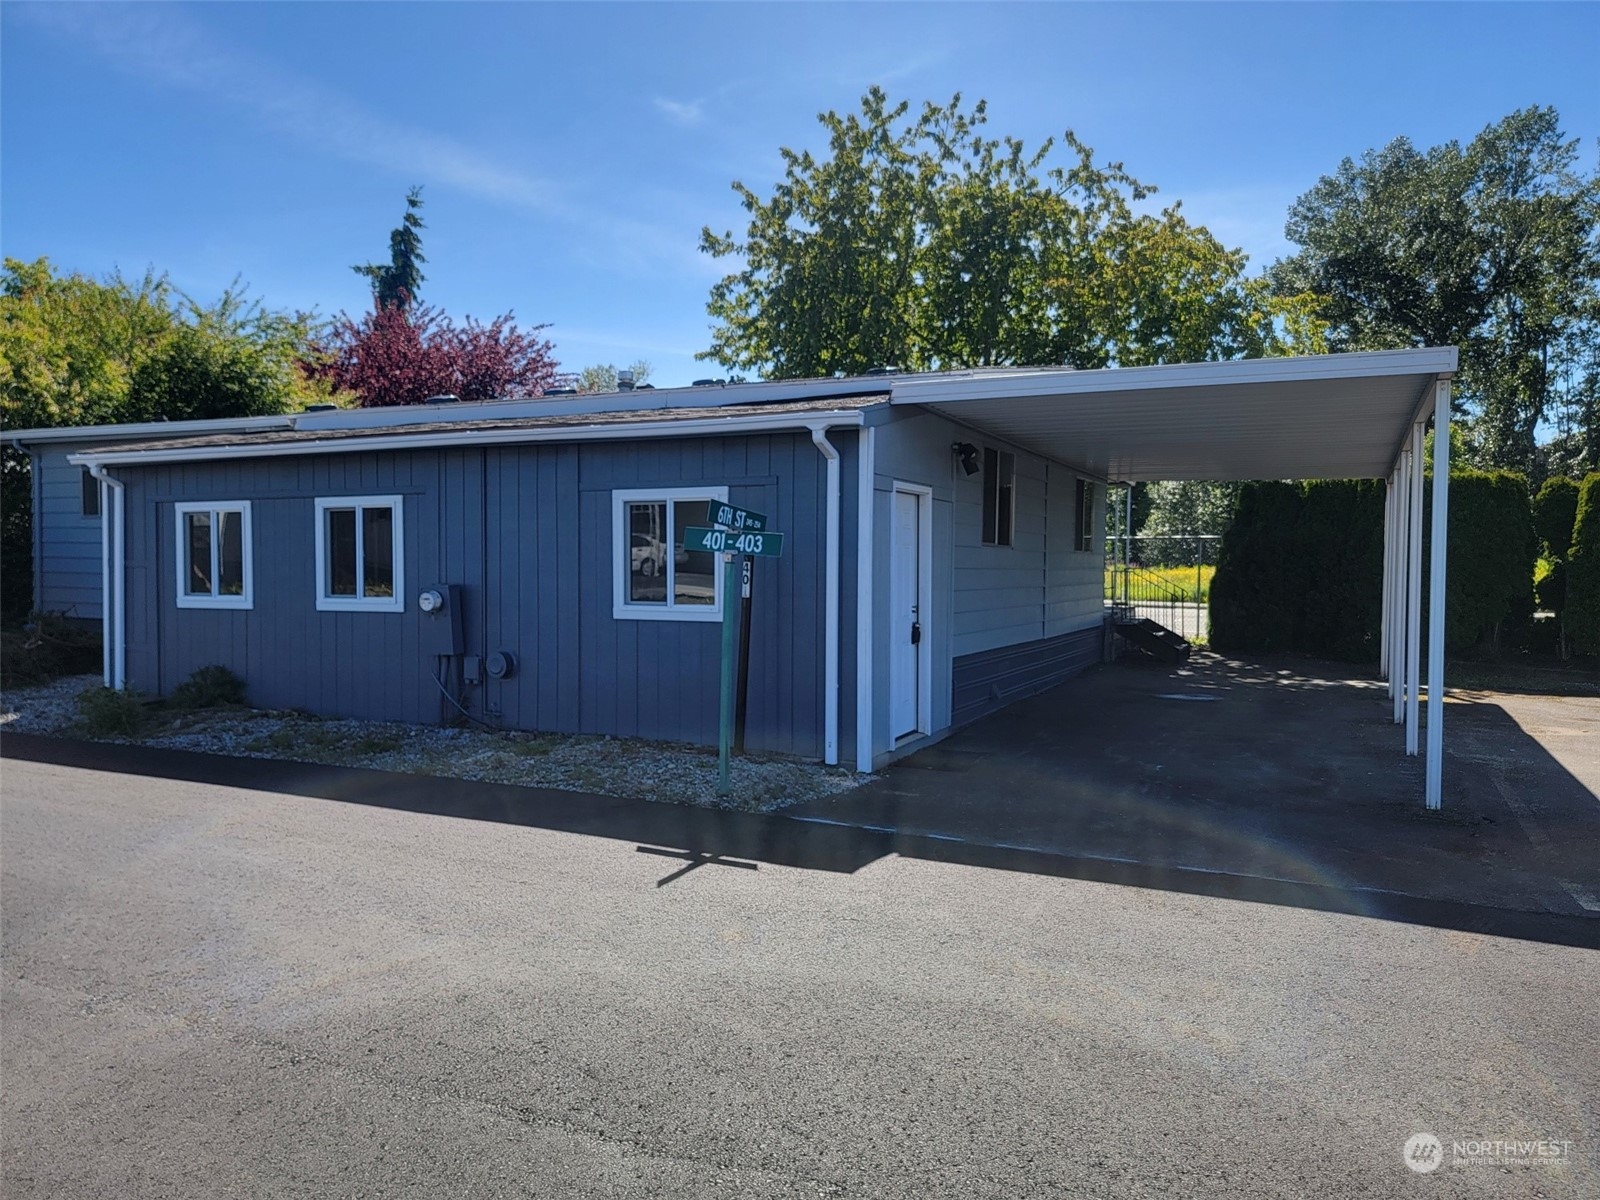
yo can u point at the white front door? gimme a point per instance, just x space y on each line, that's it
907 615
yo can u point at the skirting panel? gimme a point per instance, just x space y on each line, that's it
984 682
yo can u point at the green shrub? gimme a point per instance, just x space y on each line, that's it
48 647
1555 512
1583 571
1550 585
209 687
107 712
1255 594
1490 557
1301 567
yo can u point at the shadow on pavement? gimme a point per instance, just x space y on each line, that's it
807 841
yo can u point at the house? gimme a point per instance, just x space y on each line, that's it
66 504
525 562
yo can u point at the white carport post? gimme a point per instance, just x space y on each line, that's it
1399 592
1388 553
1414 596
1436 592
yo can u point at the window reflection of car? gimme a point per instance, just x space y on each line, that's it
647 556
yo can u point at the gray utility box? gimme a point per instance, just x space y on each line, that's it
440 607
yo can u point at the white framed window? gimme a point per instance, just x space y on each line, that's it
999 496
655 578
361 554
213 554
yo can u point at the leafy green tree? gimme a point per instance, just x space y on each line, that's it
80 351
1182 511
69 344
602 377
922 243
1491 247
397 283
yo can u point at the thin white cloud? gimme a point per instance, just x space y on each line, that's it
156 43
684 112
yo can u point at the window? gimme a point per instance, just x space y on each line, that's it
999 496
360 554
1085 516
91 494
213 554
656 577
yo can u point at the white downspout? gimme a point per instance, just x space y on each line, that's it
866 502
830 649
113 614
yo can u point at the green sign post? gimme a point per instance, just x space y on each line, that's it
733 531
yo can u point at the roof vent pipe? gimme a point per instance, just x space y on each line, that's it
625 380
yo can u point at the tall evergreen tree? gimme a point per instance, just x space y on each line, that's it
396 284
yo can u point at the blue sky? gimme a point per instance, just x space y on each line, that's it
571 153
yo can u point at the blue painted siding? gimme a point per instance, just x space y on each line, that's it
990 680
66 564
526 532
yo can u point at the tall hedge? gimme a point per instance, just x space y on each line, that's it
1555 512
1255 592
1489 559
1301 566
1583 571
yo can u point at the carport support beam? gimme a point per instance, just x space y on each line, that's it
1402 576
1414 599
1387 629
1436 593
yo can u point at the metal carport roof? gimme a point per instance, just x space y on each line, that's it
1332 416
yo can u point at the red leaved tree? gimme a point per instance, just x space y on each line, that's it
403 355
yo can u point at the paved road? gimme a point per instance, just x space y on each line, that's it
214 992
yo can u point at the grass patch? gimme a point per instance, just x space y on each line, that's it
377 743
532 745
1196 587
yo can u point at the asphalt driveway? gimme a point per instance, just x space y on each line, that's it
312 982
1268 771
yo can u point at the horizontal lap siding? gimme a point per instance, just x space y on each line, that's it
526 532
999 590
991 679
67 575
1074 582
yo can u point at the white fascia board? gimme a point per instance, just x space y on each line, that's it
1430 361
709 427
102 433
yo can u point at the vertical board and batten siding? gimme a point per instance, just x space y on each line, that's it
66 566
1024 616
526 532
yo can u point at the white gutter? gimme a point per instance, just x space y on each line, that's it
830 648
516 435
866 503
113 614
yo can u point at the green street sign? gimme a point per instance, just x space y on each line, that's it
733 541
730 517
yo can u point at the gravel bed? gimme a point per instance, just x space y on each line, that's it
663 771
